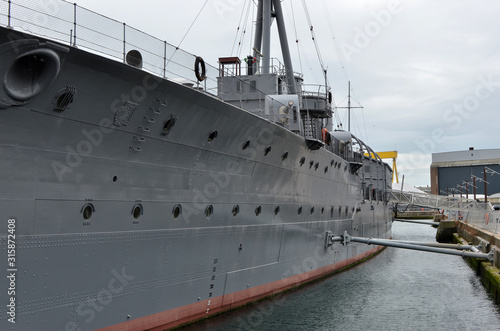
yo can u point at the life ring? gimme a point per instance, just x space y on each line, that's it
199 65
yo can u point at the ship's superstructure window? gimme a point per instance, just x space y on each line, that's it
302 161
322 210
285 156
267 150
246 144
311 163
299 211
331 211
312 210
276 210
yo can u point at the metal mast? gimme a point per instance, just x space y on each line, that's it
263 39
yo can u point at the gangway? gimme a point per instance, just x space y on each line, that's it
439 202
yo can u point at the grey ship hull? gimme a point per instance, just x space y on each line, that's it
153 252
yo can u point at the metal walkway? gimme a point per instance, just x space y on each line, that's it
439 201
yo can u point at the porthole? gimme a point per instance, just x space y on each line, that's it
258 210
236 210
312 210
285 156
311 163
115 179
277 210
267 150
326 169
87 211
137 211
322 210
212 136
246 144
177 211
316 166
299 211
302 161
209 211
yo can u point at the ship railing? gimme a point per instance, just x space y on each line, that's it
81 28
475 212
75 26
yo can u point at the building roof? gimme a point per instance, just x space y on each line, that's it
474 156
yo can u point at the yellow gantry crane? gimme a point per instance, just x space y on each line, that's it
388 155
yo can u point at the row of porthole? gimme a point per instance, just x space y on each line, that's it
213 135
138 210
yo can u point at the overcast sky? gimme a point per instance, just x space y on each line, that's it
426 72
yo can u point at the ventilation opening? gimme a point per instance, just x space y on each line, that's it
64 98
169 124
134 58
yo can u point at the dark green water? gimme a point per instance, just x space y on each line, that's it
397 290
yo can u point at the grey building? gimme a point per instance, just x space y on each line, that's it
452 172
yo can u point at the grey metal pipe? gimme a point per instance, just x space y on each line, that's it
257 46
383 242
266 36
452 246
285 51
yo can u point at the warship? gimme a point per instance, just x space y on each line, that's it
144 189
